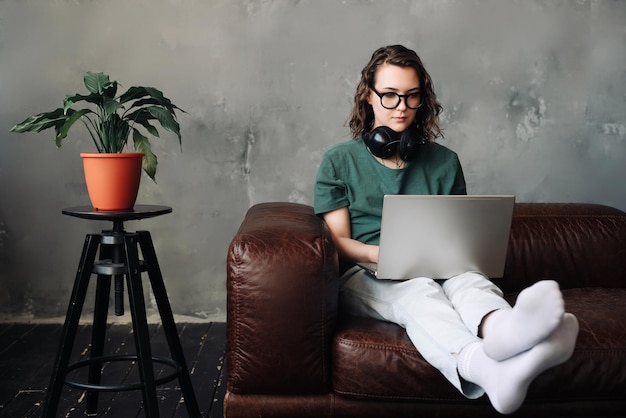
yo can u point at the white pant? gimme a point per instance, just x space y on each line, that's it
440 316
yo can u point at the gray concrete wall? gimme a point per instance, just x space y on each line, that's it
534 95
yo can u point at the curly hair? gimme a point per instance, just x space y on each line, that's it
427 116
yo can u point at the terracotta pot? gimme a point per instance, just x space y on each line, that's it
112 179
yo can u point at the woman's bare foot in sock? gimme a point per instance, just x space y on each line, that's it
506 382
538 311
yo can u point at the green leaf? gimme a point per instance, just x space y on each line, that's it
110 90
163 101
143 118
133 93
145 102
97 82
156 98
166 120
73 116
41 121
69 101
110 106
114 133
149 162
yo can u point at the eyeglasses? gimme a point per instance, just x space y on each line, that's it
391 100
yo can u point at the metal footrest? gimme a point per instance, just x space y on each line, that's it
109 268
120 387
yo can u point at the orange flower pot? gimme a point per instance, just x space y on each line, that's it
112 179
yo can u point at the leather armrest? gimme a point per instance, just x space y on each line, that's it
282 278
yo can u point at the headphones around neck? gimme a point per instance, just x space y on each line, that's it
384 142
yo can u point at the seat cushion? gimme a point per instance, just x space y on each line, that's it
376 360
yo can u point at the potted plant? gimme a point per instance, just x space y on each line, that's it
109 120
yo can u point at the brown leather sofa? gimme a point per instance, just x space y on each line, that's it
293 353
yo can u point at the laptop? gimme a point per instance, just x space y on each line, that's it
440 237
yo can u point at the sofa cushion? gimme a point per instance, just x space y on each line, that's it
373 359
376 360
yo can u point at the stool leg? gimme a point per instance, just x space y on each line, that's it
74 310
167 319
140 327
98 333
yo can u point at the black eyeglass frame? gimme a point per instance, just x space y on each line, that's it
400 97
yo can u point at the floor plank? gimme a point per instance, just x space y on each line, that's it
27 353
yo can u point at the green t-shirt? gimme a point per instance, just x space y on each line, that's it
349 175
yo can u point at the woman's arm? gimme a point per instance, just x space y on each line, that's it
349 249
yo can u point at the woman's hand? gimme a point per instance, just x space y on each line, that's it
338 222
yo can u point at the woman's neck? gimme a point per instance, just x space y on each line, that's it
394 162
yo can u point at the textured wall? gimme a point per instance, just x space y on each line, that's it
534 95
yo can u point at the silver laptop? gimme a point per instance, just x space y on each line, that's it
442 236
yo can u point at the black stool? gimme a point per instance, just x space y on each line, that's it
119 258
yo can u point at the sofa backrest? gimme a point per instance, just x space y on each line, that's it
577 244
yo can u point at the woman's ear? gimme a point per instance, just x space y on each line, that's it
369 96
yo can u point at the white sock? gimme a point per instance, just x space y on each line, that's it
506 382
537 312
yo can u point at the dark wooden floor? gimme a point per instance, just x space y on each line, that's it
27 354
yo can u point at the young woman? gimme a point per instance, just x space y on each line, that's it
462 325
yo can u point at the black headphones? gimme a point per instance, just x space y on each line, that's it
383 142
